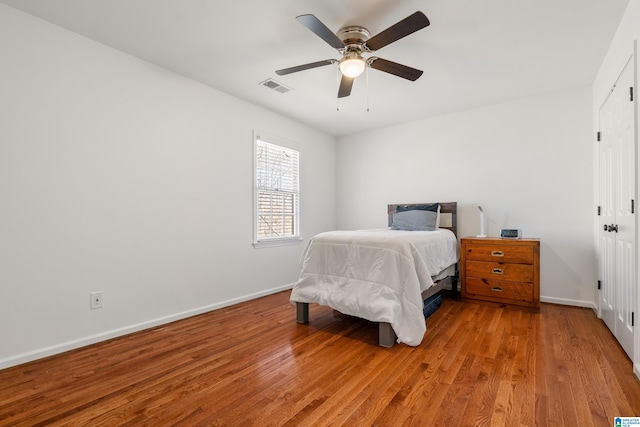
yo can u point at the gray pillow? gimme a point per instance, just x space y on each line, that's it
415 220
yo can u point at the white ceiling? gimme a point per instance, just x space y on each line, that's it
474 53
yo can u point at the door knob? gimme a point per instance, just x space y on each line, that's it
614 227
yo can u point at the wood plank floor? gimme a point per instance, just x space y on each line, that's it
252 364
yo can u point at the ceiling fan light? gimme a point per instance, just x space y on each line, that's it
352 66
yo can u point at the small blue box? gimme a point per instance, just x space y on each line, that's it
431 304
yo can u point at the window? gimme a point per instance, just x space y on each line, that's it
276 192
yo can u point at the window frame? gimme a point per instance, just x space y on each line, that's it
296 238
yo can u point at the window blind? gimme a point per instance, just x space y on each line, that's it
277 184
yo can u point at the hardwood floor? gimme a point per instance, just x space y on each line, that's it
252 364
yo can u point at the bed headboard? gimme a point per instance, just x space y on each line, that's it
448 214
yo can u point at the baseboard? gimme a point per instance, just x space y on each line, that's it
114 333
573 302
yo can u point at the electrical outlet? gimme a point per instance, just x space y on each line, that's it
96 299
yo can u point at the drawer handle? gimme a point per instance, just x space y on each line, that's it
498 271
497 253
496 289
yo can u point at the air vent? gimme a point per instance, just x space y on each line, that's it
272 84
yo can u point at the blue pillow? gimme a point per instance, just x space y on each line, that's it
415 220
433 207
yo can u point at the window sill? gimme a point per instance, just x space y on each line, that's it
271 243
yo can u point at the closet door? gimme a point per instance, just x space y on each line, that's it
606 240
617 210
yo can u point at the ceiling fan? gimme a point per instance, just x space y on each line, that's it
352 41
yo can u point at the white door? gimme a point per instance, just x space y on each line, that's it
617 210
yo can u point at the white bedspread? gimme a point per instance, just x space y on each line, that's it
377 275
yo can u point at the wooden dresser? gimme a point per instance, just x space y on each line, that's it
501 270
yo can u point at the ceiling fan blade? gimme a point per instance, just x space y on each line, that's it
408 25
345 86
295 69
321 30
394 68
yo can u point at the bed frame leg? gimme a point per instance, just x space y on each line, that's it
302 312
454 285
386 336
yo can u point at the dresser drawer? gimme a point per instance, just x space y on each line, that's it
500 253
505 291
498 271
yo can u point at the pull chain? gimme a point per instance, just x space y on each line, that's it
338 75
367 89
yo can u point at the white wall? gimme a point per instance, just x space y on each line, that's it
119 176
528 163
620 50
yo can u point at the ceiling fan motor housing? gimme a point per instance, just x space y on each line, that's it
354 37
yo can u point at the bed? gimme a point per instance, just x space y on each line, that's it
382 275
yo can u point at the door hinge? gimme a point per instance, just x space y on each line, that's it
599 284
631 93
632 318
598 135
599 210
633 207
